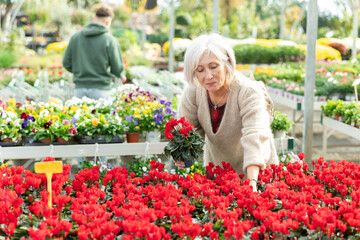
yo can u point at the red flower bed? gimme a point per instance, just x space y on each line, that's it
293 201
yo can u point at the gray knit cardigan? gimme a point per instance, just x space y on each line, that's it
244 136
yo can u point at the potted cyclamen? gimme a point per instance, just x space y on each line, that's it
280 124
185 144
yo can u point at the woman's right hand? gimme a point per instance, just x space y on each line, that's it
179 164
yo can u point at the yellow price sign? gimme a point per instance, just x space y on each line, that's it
49 168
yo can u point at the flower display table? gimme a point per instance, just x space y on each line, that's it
81 150
331 125
295 106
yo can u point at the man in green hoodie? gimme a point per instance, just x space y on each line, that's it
93 56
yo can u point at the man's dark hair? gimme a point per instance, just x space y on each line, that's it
104 10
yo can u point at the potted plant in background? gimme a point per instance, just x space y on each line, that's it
44 131
28 128
64 130
132 129
185 144
97 128
329 107
281 124
9 128
154 118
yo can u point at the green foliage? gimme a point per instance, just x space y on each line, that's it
342 27
332 107
40 61
281 122
141 165
125 37
252 53
7 58
159 37
184 19
348 111
138 61
79 17
121 14
198 167
9 129
37 15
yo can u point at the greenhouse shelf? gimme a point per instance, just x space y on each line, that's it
294 106
330 126
81 150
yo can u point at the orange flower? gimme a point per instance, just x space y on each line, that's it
95 121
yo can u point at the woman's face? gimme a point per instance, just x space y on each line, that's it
211 72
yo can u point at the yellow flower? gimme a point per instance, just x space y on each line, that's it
47 118
240 67
54 101
55 118
65 108
85 107
137 116
167 45
16 130
95 121
192 167
154 104
4 165
56 46
12 102
10 109
102 117
324 41
264 70
146 111
123 96
42 108
30 110
323 52
137 127
73 109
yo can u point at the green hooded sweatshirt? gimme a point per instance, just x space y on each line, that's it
93 56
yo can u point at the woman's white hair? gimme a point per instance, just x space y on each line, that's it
208 43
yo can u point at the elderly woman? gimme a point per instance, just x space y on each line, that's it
231 111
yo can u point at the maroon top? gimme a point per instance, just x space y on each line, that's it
215 114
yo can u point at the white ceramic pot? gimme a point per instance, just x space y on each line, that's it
153 136
279 134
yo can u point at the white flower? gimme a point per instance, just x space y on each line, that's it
180 46
44 113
